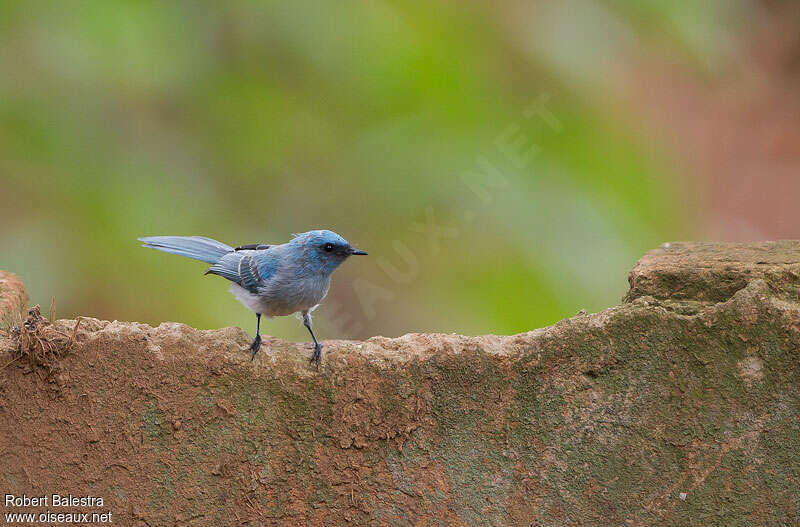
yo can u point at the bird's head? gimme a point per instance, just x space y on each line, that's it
325 249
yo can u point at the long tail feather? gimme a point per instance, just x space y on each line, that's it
195 247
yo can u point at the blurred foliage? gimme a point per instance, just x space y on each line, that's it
247 121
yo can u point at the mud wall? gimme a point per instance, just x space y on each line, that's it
680 407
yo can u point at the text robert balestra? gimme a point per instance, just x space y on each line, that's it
52 500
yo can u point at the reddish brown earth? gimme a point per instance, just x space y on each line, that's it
670 409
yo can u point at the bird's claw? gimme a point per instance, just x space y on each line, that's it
317 356
255 346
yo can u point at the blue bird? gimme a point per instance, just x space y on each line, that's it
270 280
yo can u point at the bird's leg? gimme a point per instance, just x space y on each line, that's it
317 356
256 345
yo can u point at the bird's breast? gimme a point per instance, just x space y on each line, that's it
285 295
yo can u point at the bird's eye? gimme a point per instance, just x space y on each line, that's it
328 247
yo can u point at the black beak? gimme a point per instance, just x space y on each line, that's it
358 252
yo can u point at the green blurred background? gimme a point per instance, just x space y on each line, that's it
505 165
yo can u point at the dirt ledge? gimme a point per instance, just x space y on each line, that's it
715 271
671 409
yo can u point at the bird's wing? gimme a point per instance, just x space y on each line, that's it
227 267
266 264
249 276
248 268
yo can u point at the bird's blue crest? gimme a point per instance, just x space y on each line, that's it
320 237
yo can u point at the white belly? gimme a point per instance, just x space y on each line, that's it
252 302
270 306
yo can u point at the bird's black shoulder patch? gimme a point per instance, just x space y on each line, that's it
253 247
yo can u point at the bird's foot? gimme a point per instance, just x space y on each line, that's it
317 356
255 346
